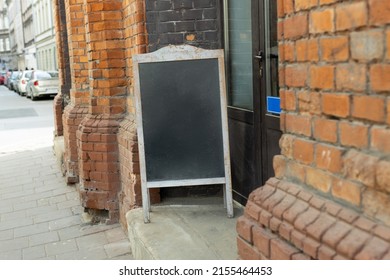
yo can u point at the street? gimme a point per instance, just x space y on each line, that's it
40 216
24 124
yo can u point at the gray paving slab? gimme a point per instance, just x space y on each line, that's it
11 255
31 230
34 253
6 234
43 238
92 240
61 247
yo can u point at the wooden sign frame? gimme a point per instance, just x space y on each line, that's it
182 53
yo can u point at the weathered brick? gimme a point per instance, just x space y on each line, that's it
274 224
320 226
296 75
352 243
310 247
380 139
329 158
295 210
252 210
297 239
375 205
348 215
309 102
361 167
322 21
296 26
347 191
290 100
336 104
351 15
325 253
288 6
353 134
246 251
369 108
351 76
262 240
304 4
281 250
286 203
244 229
325 130
380 77
367 45
298 124
286 145
335 233
322 77
365 224
300 256
318 179
378 11
296 171
307 50
334 49
373 250
305 219
303 151
382 175
285 230
383 232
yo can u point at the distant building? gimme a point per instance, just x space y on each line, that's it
44 35
16 34
29 34
4 37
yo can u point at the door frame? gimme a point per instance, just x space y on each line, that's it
254 117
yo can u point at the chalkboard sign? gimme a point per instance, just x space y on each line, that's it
182 120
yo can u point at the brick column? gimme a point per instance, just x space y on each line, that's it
96 136
331 193
62 98
77 108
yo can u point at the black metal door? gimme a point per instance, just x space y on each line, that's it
252 79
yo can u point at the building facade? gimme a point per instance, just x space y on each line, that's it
43 26
29 34
308 109
16 32
5 50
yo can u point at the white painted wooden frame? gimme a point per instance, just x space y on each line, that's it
182 53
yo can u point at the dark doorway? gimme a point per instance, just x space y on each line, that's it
252 74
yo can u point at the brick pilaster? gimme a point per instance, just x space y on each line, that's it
77 106
97 133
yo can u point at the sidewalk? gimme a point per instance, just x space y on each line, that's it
41 217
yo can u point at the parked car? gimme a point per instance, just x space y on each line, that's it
42 83
6 78
21 81
12 79
2 77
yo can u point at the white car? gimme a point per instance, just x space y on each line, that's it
22 81
42 83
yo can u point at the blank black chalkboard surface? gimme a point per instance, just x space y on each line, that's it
182 120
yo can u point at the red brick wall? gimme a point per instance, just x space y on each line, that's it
75 111
331 193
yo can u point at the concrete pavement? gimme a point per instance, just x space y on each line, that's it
40 216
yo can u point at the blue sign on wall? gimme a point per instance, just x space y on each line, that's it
273 105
